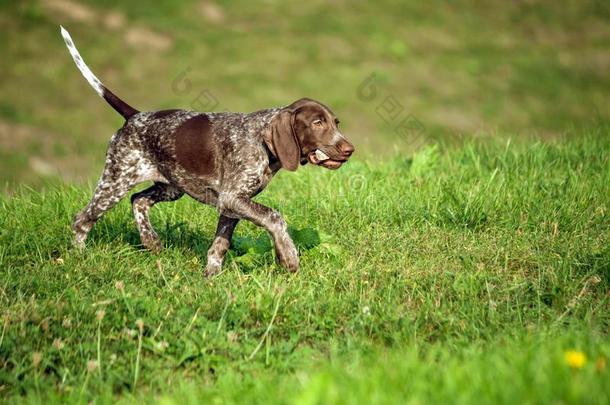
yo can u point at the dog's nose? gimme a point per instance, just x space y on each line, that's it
346 148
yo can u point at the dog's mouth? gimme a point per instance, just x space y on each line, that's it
320 158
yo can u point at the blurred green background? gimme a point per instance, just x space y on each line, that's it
448 71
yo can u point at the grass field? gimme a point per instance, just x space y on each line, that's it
462 275
463 257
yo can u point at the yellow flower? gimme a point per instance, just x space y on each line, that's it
575 359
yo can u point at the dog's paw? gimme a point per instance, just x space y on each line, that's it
150 240
213 267
79 241
289 258
153 244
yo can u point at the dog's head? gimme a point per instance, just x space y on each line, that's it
307 131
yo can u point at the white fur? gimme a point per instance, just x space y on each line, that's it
80 63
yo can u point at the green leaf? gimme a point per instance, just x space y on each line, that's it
306 238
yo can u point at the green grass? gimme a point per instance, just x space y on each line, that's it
461 275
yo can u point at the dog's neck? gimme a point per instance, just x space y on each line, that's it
267 117
274 162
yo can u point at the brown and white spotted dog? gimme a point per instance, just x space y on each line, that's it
222 159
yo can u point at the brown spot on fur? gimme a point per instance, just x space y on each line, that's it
194 146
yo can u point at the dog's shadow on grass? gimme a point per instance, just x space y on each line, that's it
173 235
247 251
250 252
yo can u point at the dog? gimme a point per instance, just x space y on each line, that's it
218 158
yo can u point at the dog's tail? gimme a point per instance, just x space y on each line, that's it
119 105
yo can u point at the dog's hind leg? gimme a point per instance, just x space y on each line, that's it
109 191
125 167
142 202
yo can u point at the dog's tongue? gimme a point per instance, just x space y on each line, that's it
321 156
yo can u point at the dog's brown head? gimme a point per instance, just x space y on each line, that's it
307 131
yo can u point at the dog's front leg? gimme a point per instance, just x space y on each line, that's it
271 220
220 245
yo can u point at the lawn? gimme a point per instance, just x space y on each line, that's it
463 274
461 256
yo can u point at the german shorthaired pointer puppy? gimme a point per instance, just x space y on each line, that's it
219 158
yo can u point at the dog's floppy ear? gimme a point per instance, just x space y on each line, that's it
285 141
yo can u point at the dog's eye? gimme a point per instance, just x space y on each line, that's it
317 123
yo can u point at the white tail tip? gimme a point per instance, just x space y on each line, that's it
80 63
